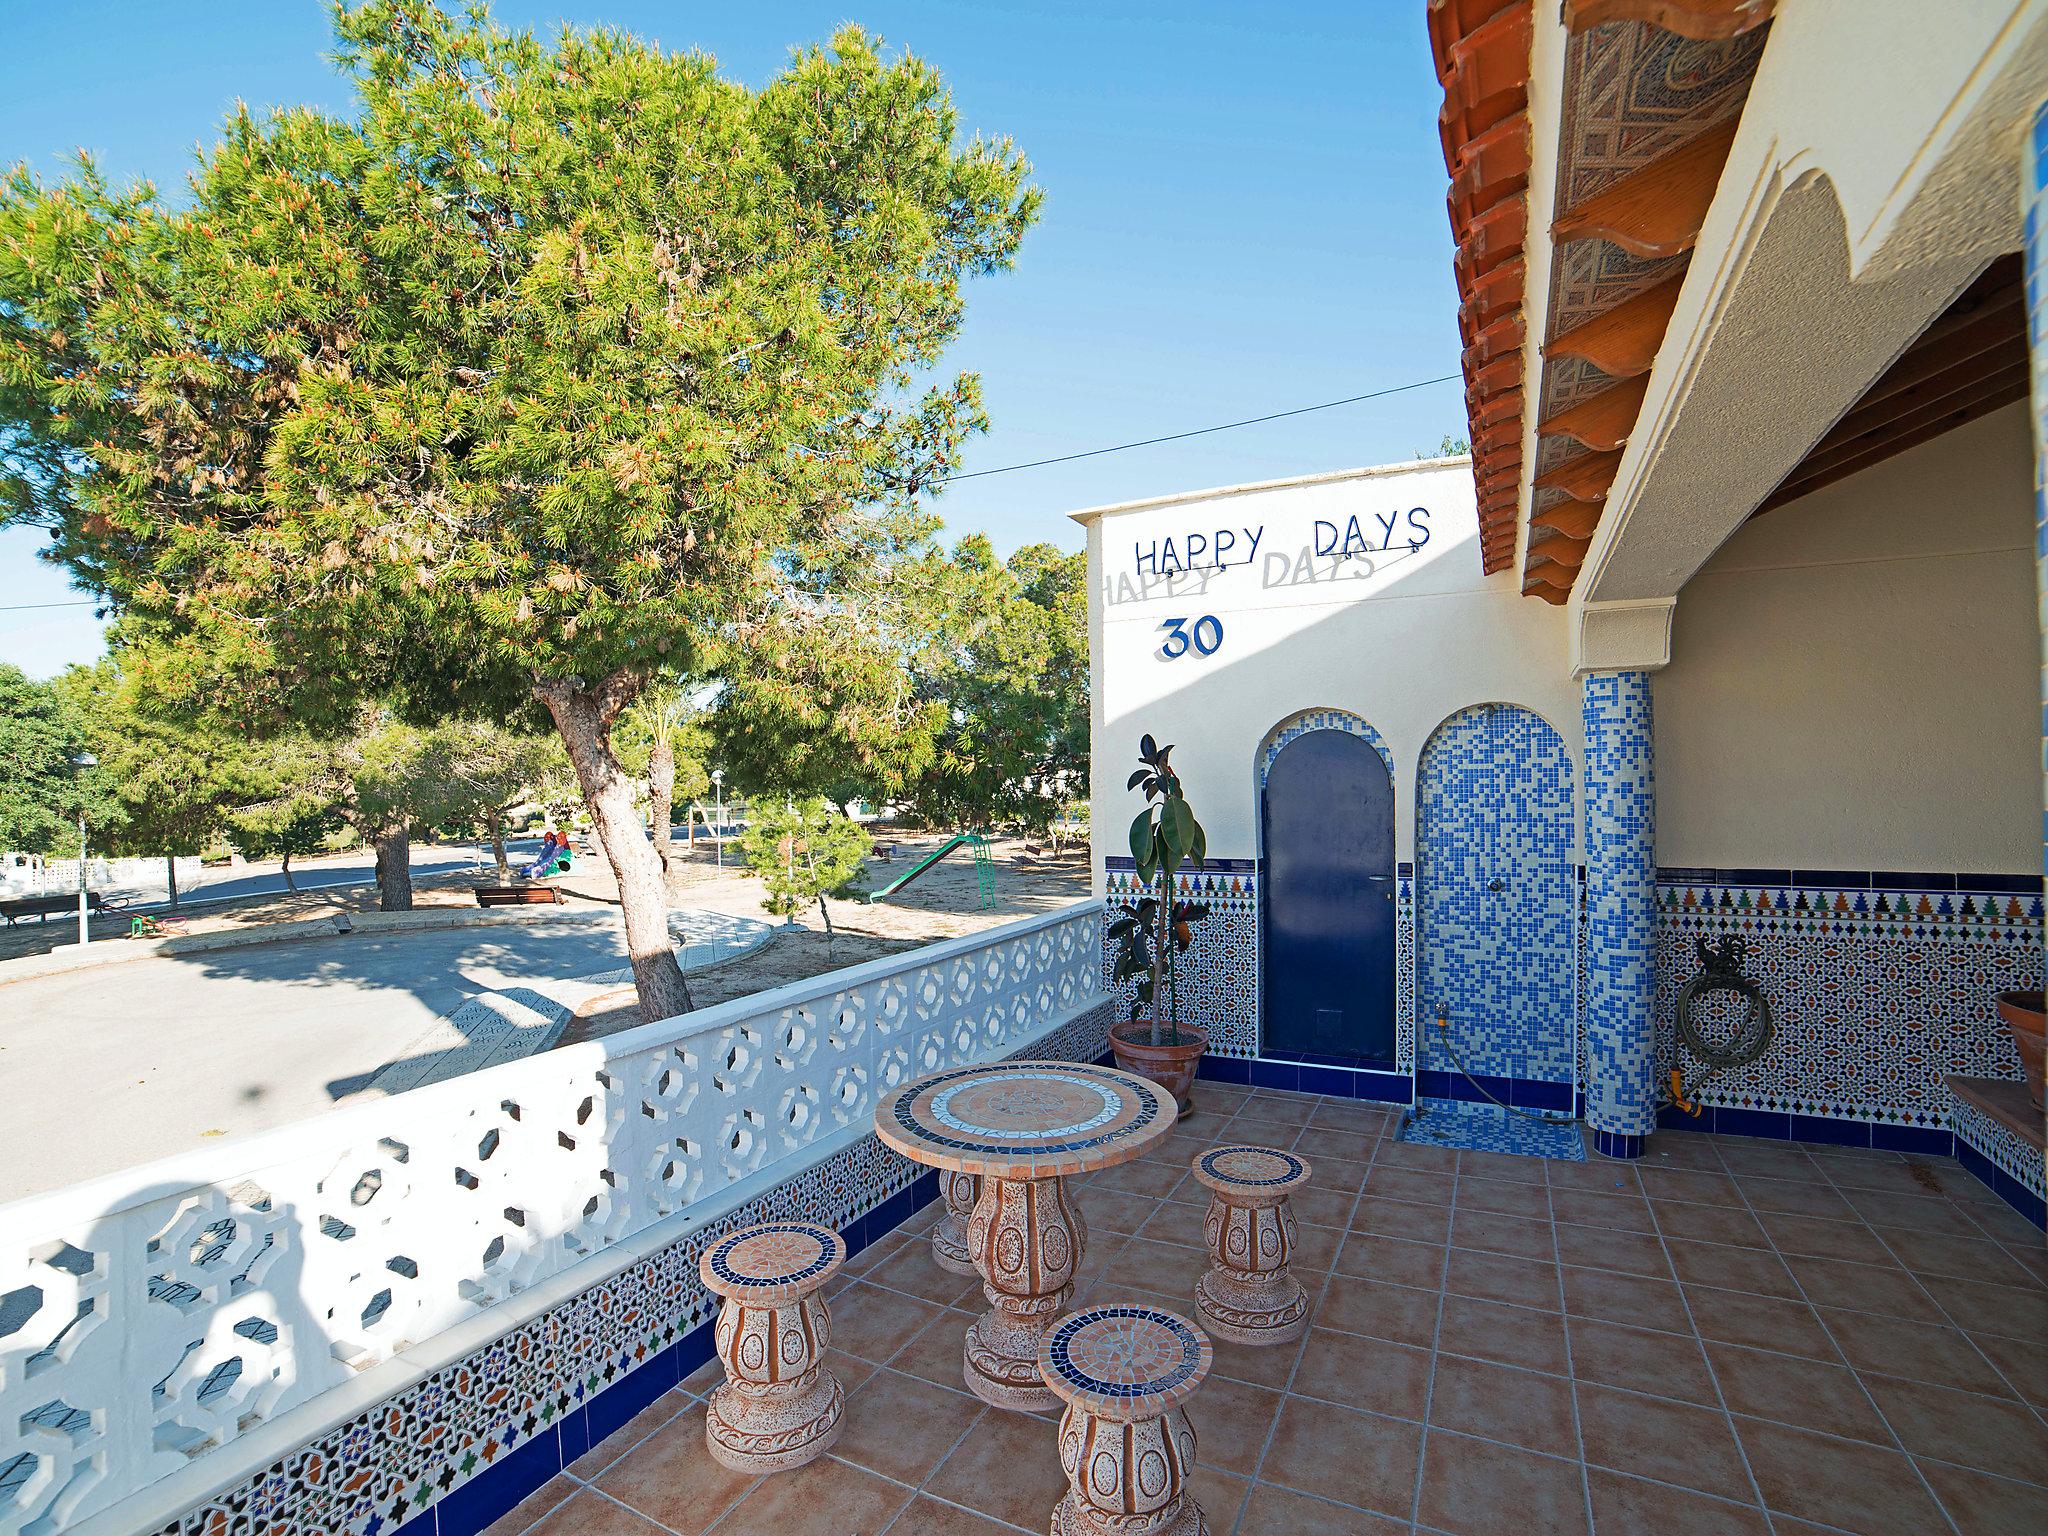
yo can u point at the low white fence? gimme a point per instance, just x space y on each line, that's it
153 1318
58 877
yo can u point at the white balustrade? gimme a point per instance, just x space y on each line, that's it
155 1316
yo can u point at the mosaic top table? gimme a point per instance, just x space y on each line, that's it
1023 1127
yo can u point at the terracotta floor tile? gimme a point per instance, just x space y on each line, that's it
1279 1512
1220 1494
1400 1313
2023 1362
1916 1351
1498 1277
913 1271
1476 1488
1760 1322
928 1517
1637 1360
900 1426
671 1478
1315 1250
556 1490
826 1497
1604 1248
1864 1288
1505 1166
1627 1506
1422 1185
1689 1149
1350 1117
1411 1154
1763 1159
1708 1223
1813 1237
592 1514
1518 1236
1958 1258
1502 1197
1809 1393
1401 1218
1792 1198
1231 1419
1008 1466
936 1353
874 1323
1111 1210
1761 1273
1506 1335
874 1253
1919 1213
1323 1208
631 1433
1990 1434
1671 1442
1168 1268
1152 1180
1364 1373
1293 1108
1265 1365
1598 1175
1498 1402
1887 1174
1354 1458
2018 1312
702 1381
1982 1505
1320 1143
1392 1260
1617 1298
1628 1213
1700 1187
1862 1488
2003 1224
1172 1222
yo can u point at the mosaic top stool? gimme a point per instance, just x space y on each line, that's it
778 1406
1126 1446
949 1236
1247 1295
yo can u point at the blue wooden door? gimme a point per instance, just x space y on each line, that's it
1327 956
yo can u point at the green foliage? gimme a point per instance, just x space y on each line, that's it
666 717
803 851
1156 929
41 793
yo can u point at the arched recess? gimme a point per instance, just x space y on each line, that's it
1496 898
1329 930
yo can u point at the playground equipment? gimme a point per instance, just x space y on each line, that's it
984 869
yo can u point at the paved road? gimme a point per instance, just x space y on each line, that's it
263 879
108 1067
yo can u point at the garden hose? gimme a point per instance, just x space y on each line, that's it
1720 971
1443 1024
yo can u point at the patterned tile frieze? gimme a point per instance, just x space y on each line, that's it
1877 993
1620 904
1497 889
1219 974
380 1469
2001 1146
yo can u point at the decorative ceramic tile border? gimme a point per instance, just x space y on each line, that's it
1878 993
536 1399
2000 1146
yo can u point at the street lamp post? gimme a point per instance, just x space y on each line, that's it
718 789
82 762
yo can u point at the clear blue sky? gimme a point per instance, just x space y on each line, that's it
1244 213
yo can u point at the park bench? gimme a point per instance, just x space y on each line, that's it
14 908
518 896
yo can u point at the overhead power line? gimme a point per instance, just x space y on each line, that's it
83 602
1228 426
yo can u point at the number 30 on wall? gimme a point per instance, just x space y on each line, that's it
1204 636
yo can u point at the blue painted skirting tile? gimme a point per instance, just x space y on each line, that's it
1618 1144
1282 1076
1772 1124
1921 1140
1385 1087
1225 1069
1829 1131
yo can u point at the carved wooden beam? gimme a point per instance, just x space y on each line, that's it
1560 550
1575 519
1544 590
1701 20
1549 570
1603 421
1585 478
1623 342
1658 210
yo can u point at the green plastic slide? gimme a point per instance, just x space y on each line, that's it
959 839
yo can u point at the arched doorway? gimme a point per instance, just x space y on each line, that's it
1326 821
1495 893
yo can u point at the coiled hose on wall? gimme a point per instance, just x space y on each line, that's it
1721 971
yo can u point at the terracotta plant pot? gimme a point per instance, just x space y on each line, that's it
1172 1067
2023 1016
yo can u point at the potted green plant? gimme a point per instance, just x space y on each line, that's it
1156 929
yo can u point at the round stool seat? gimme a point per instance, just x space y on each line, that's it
772 1263
1125 1362
1248 1175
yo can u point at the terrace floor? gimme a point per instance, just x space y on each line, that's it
1731 1337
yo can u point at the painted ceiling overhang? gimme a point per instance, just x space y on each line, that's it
1652 93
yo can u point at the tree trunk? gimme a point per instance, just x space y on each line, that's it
286 870
394 867
498 847
584 718
825 914
171 877
661 796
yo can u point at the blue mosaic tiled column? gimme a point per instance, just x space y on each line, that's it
1621 1102
2034 189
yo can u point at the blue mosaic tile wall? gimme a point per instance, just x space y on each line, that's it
1496 896
2034 185
1620 906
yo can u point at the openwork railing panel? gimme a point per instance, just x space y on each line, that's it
159 1315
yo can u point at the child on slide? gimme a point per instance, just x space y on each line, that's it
554 856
